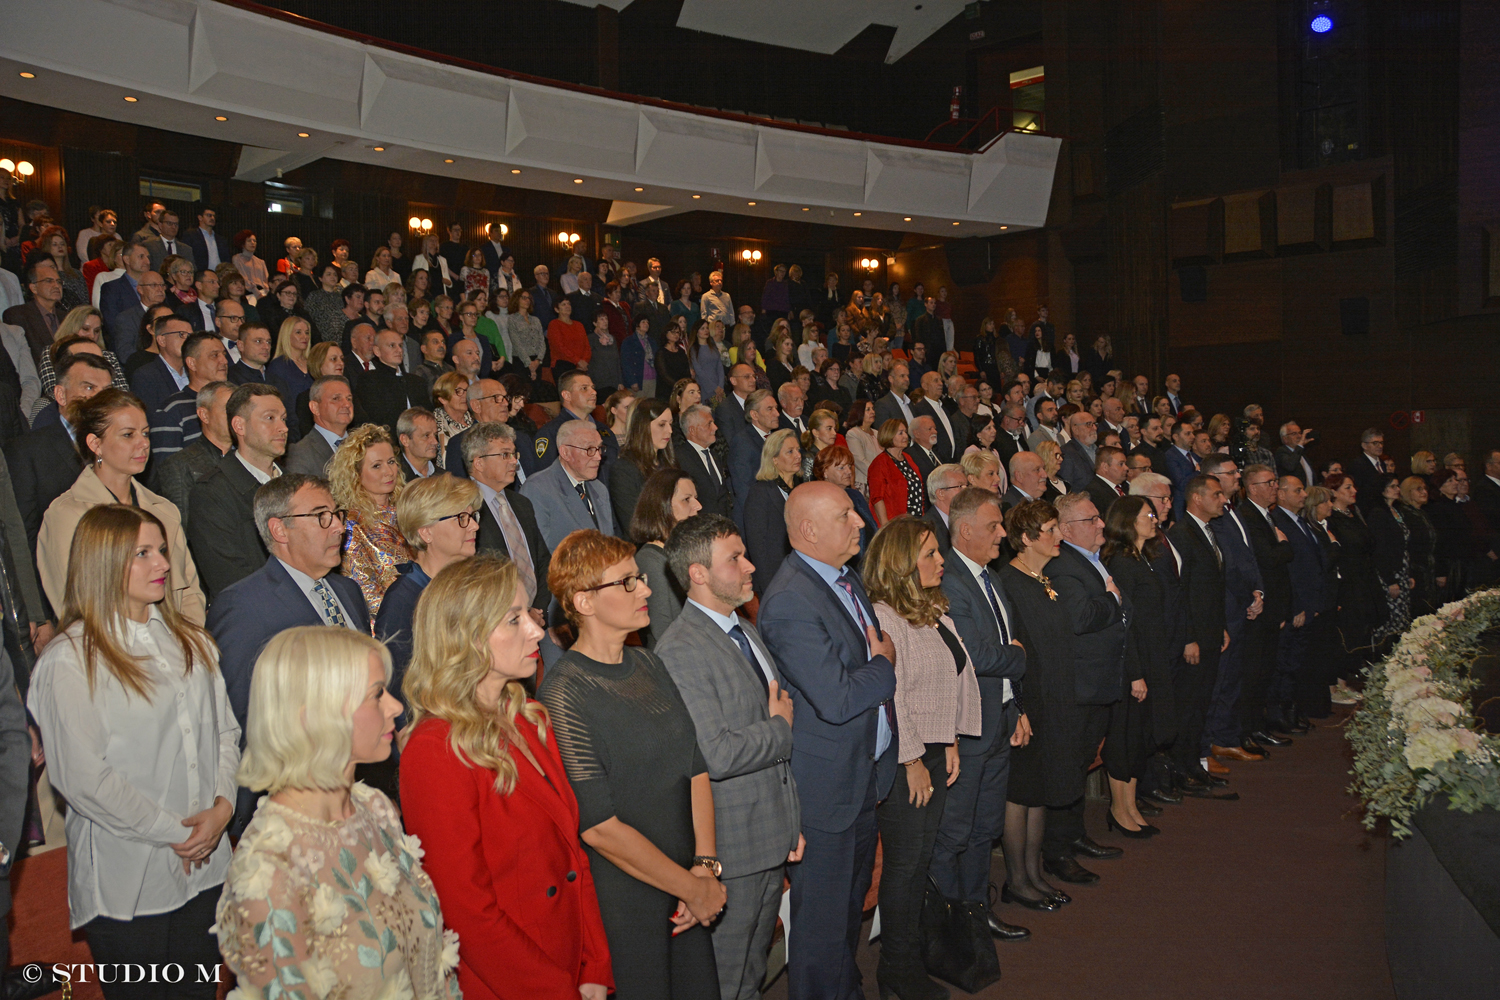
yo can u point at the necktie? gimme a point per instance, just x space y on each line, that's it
887 710
583 493
1213 543
515 543
331 611
1120 489
989 591
743 641
713 468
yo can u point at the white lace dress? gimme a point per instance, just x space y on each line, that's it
334 911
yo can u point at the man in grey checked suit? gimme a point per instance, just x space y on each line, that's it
567 494
731 685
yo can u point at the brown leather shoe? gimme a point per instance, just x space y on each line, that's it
1214 767
1233 753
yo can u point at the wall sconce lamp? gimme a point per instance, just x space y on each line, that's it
423 226
750 255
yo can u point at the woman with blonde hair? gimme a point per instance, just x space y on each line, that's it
631 754
364 476
1050 452
984 470
112 435
381 273
326 891
937 700
451 392
782 351
289 363
143 743
324 358
766 541
822 432
485 788
81 321
859 436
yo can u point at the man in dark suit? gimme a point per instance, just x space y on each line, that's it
838 667
384 393
1098 614
507 520
1273 555
489 403
122 302
1108 482
417 443
961 406
1310 598
175 475
942 485
745 447
1486 495
1079 451
1203 582
585 301
1243 602
209 248
731 685
493 249
332 406
1152 437
579 397
166 244
924 440
1011 436
1367 470
695 457
1291 457
1028 480
895 405
297 585
1182 465
730 413
223 533
158 380
543 296
947 444
974 815
40 315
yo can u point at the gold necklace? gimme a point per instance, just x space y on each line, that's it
1039 578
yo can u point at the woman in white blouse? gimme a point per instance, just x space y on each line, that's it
142 743
381 273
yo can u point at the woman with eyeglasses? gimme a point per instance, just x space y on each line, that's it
631 753
364 477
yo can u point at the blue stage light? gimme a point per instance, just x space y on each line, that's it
1321 24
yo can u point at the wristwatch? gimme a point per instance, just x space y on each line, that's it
714 865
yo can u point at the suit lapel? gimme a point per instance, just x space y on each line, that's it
851 627
291 595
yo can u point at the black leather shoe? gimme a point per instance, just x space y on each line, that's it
1069 870
1162 795
1265 739
1001 931
1251 746
1058 896
1043 905
1086 847
1145 808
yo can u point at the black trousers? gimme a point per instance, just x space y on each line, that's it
907 834
179 936
1221 727
1261 637
1065 823
974 817
1291 658
1194 687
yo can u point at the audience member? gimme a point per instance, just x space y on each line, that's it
668 498
507 521
365 480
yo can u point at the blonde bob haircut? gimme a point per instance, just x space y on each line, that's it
104 546
299 730
455 616
769 451
427 501
344 467
891 575
975 462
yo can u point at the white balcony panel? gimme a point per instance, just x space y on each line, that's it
1013 178
684 150
918 181
820 168
569 130
434 106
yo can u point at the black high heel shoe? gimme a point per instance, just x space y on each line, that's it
1044 905
1111 823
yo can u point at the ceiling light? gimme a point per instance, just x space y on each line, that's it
806 209
515 170
378 149
640 189
745 254
131 100
220 118
447 161
27 76
562 237
302 135
578 180
1004 227
955 223
426 225
907 219
858 214
697 196
755 255
414 222
750 203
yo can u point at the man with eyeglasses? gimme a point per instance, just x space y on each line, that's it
1080 451
1273 554
507 519
943 484
543 299
303 530
229 319
40 316
567 494
1099 614
122 303
489 403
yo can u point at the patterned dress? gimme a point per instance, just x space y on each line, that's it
334 911
373 553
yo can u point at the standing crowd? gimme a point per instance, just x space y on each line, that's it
430 633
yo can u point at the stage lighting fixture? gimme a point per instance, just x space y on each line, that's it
1322 24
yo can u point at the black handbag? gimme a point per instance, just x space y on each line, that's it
956 943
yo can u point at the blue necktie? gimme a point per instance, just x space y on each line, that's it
743 641
989 591
886 720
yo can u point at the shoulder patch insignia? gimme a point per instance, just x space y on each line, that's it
541 446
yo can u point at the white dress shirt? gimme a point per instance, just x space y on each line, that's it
260 477
727 622
975 570
132 769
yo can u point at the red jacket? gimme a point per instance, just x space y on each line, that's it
888 484
510 870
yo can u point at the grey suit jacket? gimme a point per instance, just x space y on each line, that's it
310 456
560 511
756 810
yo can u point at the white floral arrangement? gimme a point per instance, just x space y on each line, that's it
1416 737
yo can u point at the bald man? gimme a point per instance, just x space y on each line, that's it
839 669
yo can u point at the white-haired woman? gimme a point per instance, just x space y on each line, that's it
143 744
325 890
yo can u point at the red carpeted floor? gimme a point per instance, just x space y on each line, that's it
1278 896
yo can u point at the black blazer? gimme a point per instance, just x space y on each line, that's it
382 395
715 497
1102 492
766 542
43 466
934 517
945 445
225 544
1158 457
924 467
492 539
1308 572
1203 582
1367 481
1148 656
1175 607
1274 559
1099 627
175 476
994 661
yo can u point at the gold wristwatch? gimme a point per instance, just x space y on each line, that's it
714 865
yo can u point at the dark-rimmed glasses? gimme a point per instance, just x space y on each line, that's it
628 582
464 517
325 517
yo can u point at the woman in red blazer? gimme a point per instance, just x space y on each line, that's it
484 789
895 482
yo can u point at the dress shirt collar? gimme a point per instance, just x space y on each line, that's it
1197 520
1092 557
828 574
1264 511
942 514
1296 517
973 567
571 480
725 622
1493 479
260 477
67 427
333 440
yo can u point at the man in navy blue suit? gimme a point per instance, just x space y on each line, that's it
1244 600
297 520
1310 597
209 248
119 297
839 668
1182 465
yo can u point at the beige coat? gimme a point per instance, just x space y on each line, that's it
61 520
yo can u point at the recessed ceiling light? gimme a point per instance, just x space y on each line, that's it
955 223
750 203
381 149
302 135
131 100
1004 227
27 76
697 196
858 214
515 170
447 161
640 189
220 118
578 180
907 219
805 209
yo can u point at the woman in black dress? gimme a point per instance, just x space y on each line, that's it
766 541
672 362
1422 545
646 449
1131 543
644 800
1360 605
1393 568
1044 771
